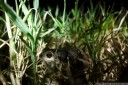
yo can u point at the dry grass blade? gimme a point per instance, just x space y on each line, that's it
3 79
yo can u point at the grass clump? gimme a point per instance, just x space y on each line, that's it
38 41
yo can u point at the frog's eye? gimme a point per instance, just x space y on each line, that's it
49 54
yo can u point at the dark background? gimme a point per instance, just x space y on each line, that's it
116 4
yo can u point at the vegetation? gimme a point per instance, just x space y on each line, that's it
31 39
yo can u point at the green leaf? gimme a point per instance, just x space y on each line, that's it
24 8
49 31
33 58
27 15
36 4
16 5
15 18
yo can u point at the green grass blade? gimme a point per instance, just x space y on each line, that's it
16 6
8 24
36 4
46 33
33 59
15 18
64 12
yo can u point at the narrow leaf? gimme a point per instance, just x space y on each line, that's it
36 4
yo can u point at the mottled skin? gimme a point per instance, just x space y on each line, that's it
77 62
